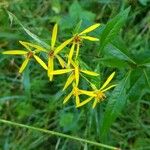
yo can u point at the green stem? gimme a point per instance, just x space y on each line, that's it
57 134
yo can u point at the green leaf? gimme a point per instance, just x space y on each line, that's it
26 82
56 6
78 13
147 77
137 85
33 36
144 2
110 61
114 106
115 51
112 28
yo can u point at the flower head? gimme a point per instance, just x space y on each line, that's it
75 92
32 49
53 53
77 39
75 73
97 94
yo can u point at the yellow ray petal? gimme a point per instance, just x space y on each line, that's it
77 51
85 102
28 46
68 97
77 100
108 80
89 29
94 104
104 90
60 47
71 53
15 52
41 62
77 75
89 38
61 61
61 71
54 35
50 67
25 45
73 63
90 72
24 64
69 81
89 93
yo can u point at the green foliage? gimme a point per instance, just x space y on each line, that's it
122 119
115 105
113 27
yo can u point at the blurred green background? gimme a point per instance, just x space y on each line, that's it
31 99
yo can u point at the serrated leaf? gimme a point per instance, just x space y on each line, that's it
136 85
115 51
113 62
77 12
33 36
114 106
112 28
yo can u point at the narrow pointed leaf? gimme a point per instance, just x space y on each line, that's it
33 36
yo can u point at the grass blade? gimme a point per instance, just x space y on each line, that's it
57 134
33 36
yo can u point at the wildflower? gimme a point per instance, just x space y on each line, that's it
28 54
53 53
77 39
75 73
97 94
76 92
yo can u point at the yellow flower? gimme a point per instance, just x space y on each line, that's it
76 92
28 54
53 53
77 38
75 73
97 94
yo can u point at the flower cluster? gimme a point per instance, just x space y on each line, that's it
71 65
